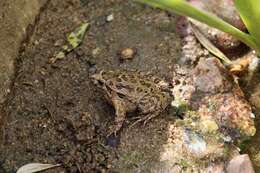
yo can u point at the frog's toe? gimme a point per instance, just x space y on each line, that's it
148 118
114 129
111 132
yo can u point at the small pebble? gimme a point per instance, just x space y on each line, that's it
96 51
252 115
110 18
113 141
127 53
240 164
58 43
92 69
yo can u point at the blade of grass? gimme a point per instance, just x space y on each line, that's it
250 13
182 7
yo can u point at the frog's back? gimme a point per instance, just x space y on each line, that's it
131 83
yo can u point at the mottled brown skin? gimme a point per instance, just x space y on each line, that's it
130 91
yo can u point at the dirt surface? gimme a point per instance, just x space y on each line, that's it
54 114
16 18
253 94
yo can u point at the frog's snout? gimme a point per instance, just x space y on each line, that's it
94 76
97 79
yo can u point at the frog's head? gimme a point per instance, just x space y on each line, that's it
98 79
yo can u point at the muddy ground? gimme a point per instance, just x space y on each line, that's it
54 114
252 91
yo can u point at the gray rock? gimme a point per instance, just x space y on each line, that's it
240 164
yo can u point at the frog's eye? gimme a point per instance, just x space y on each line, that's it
139 89
98 82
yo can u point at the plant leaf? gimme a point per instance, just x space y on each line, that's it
250 13
182 7
35 167
76 37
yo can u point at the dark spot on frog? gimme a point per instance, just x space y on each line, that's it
118 79
157 80
119 86
124 77
110 83
138 89
121 95
133 80
144 83
177 82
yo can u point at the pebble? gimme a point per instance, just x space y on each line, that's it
127 53
240 164
112 141
58 43
110 18
96 52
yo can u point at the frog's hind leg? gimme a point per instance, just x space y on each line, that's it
120 109
151 116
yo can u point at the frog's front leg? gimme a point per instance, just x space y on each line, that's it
120 110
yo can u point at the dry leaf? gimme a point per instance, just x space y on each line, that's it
246 65
35 167
208 45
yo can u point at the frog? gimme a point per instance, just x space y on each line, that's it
132 91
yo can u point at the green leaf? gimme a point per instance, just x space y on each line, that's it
182 7
250 13
76 37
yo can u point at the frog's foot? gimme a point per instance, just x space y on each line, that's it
145 119
148 118
111 131
114 129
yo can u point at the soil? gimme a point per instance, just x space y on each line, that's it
253 95
54 114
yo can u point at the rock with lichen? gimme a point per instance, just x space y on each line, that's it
214 95
215 115
219 97
189 151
